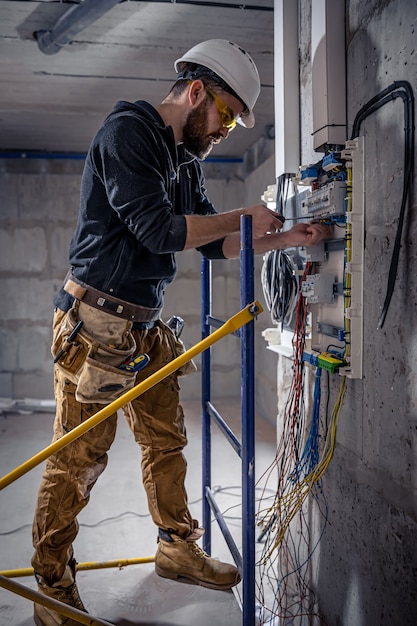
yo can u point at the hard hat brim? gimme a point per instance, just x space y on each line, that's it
247 120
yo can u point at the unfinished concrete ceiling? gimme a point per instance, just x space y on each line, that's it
55 102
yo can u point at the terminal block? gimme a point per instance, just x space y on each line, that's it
330 362
308 175
330 162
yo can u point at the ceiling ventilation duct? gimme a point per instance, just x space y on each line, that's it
71 23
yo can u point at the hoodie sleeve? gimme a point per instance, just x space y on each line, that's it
136 170
214 249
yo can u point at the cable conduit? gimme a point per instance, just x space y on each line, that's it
76 19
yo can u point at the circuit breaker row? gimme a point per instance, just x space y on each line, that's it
332 192
334 290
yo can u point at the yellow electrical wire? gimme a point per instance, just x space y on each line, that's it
285 509
279 520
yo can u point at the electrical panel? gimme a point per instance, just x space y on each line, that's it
332 192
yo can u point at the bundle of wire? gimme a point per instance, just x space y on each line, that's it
310 455
279 285
288 544
306 473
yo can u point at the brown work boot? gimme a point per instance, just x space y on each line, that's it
65 591
178 559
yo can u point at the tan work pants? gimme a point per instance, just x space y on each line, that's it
157 422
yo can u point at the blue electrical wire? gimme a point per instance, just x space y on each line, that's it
310 456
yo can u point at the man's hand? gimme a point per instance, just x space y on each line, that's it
299 235
264 221
307 234
202 229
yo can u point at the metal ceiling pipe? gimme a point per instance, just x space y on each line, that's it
76 19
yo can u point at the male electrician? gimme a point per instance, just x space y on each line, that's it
143 199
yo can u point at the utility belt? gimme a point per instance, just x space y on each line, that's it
114 306
98 353
94 350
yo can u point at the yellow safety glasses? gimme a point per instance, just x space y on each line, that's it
227 117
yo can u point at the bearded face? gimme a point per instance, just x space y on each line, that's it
196 138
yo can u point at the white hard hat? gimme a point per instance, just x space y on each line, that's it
232 65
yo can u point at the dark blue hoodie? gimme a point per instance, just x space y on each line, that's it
136 188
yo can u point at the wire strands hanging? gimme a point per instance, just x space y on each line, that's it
278 279
285 570
300 462
279 285
403 90
310 455
289 544
283 189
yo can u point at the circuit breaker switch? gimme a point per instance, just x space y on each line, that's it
318 289
325 201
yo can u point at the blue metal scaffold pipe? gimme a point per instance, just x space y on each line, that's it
244 449
248 426
206 397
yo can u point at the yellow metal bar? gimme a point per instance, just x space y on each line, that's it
88 565
231 325
119 563
50 603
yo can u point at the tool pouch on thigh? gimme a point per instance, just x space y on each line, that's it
178 349
92 365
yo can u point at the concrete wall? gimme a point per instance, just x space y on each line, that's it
365 570
38 201
38 209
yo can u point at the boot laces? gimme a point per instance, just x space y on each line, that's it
199 553
75 597
69 595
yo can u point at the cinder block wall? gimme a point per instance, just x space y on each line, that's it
38 208
364 571
38 201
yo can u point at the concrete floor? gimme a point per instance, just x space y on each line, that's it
116 525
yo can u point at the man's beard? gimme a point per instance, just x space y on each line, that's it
195 136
